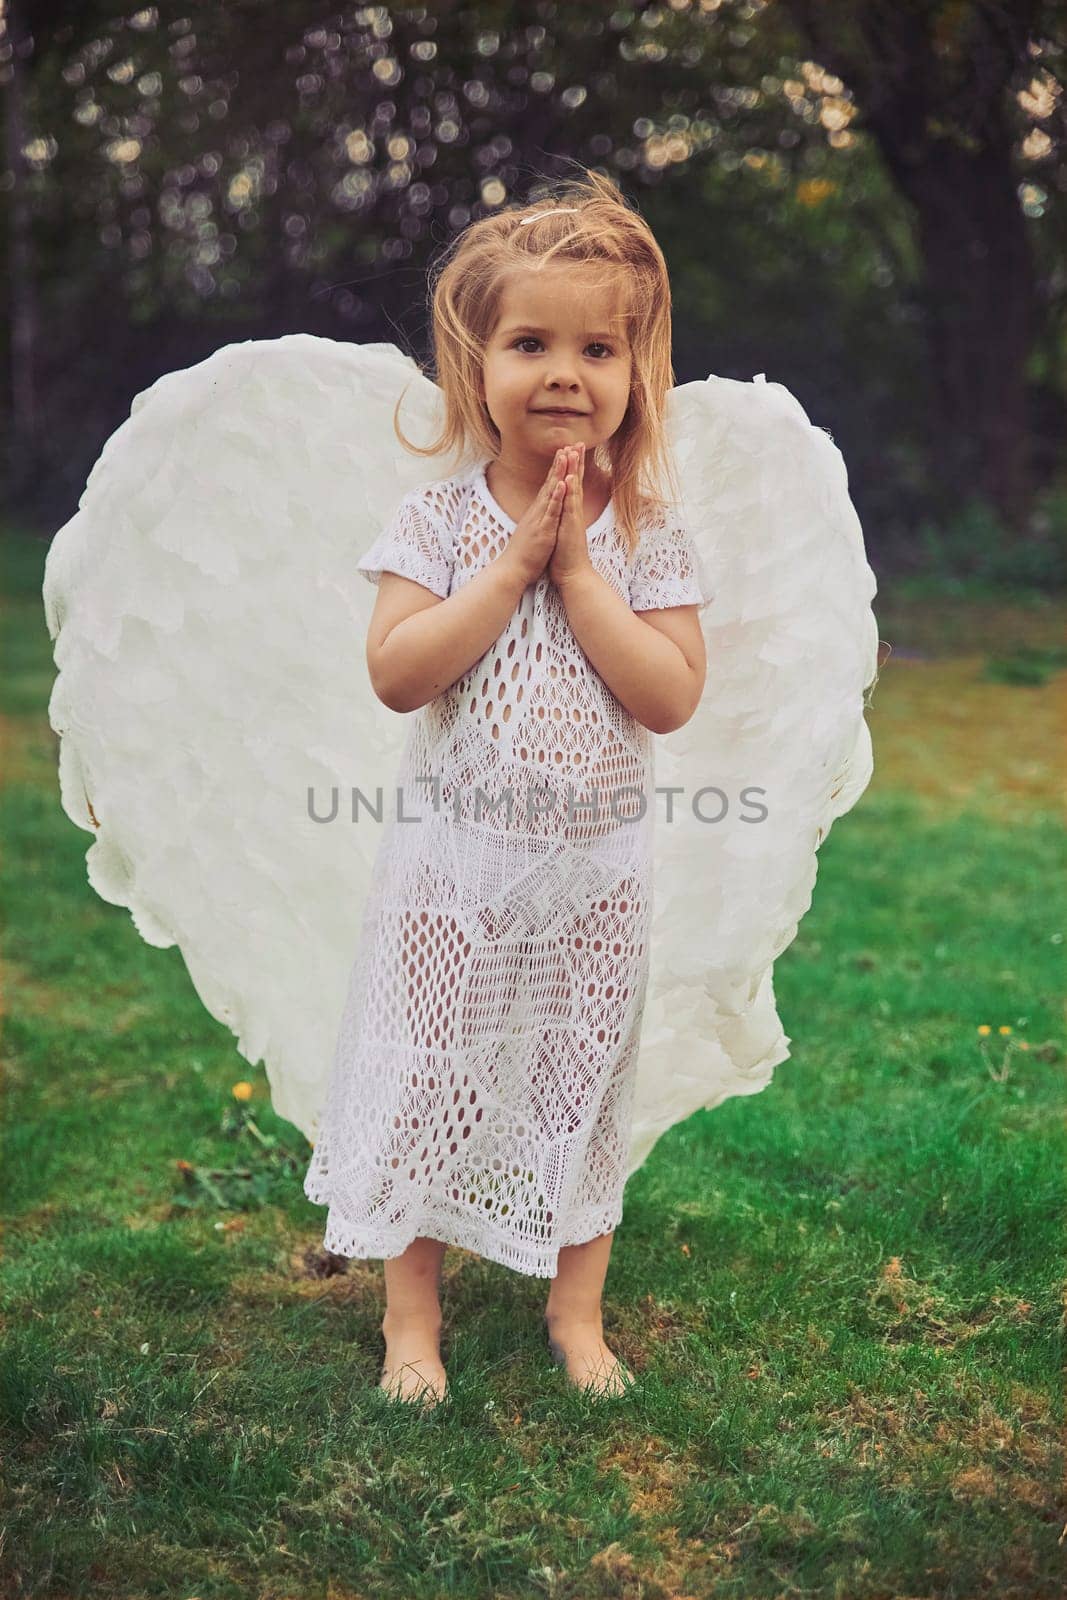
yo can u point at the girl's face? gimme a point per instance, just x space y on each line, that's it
555 345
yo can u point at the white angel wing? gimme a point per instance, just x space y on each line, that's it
212 698
212 695
792 647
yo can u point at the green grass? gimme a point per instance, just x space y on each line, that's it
840 1296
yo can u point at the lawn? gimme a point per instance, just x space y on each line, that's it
841 1296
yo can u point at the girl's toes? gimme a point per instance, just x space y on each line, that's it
423 1381
587 1360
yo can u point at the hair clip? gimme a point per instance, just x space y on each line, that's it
523 221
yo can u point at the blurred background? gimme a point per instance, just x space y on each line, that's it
866 201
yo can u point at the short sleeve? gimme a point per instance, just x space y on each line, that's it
666 569
412 544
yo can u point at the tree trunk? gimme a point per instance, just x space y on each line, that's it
979 298
22 304
931 82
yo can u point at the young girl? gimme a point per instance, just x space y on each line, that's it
537 614
516 1033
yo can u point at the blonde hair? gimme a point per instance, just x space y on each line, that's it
615 249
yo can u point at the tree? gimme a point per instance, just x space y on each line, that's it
932 80
187 173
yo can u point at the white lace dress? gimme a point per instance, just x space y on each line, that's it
482 1086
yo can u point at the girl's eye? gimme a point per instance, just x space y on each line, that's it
594 344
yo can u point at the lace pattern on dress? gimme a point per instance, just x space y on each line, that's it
484 1075
413 544
666 569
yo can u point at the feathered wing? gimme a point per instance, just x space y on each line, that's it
777 749
209 627
212 695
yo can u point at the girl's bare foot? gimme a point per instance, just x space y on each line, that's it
579 1348
413 1369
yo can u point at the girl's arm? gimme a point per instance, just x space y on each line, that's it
656 669
418 644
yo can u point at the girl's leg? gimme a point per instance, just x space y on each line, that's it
575 1320
412 1323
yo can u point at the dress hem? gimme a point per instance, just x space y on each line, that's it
359 1245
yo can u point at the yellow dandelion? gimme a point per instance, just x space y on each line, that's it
242 1091
984 1028
1004 1028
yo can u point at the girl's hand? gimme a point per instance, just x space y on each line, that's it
571 555
533 538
